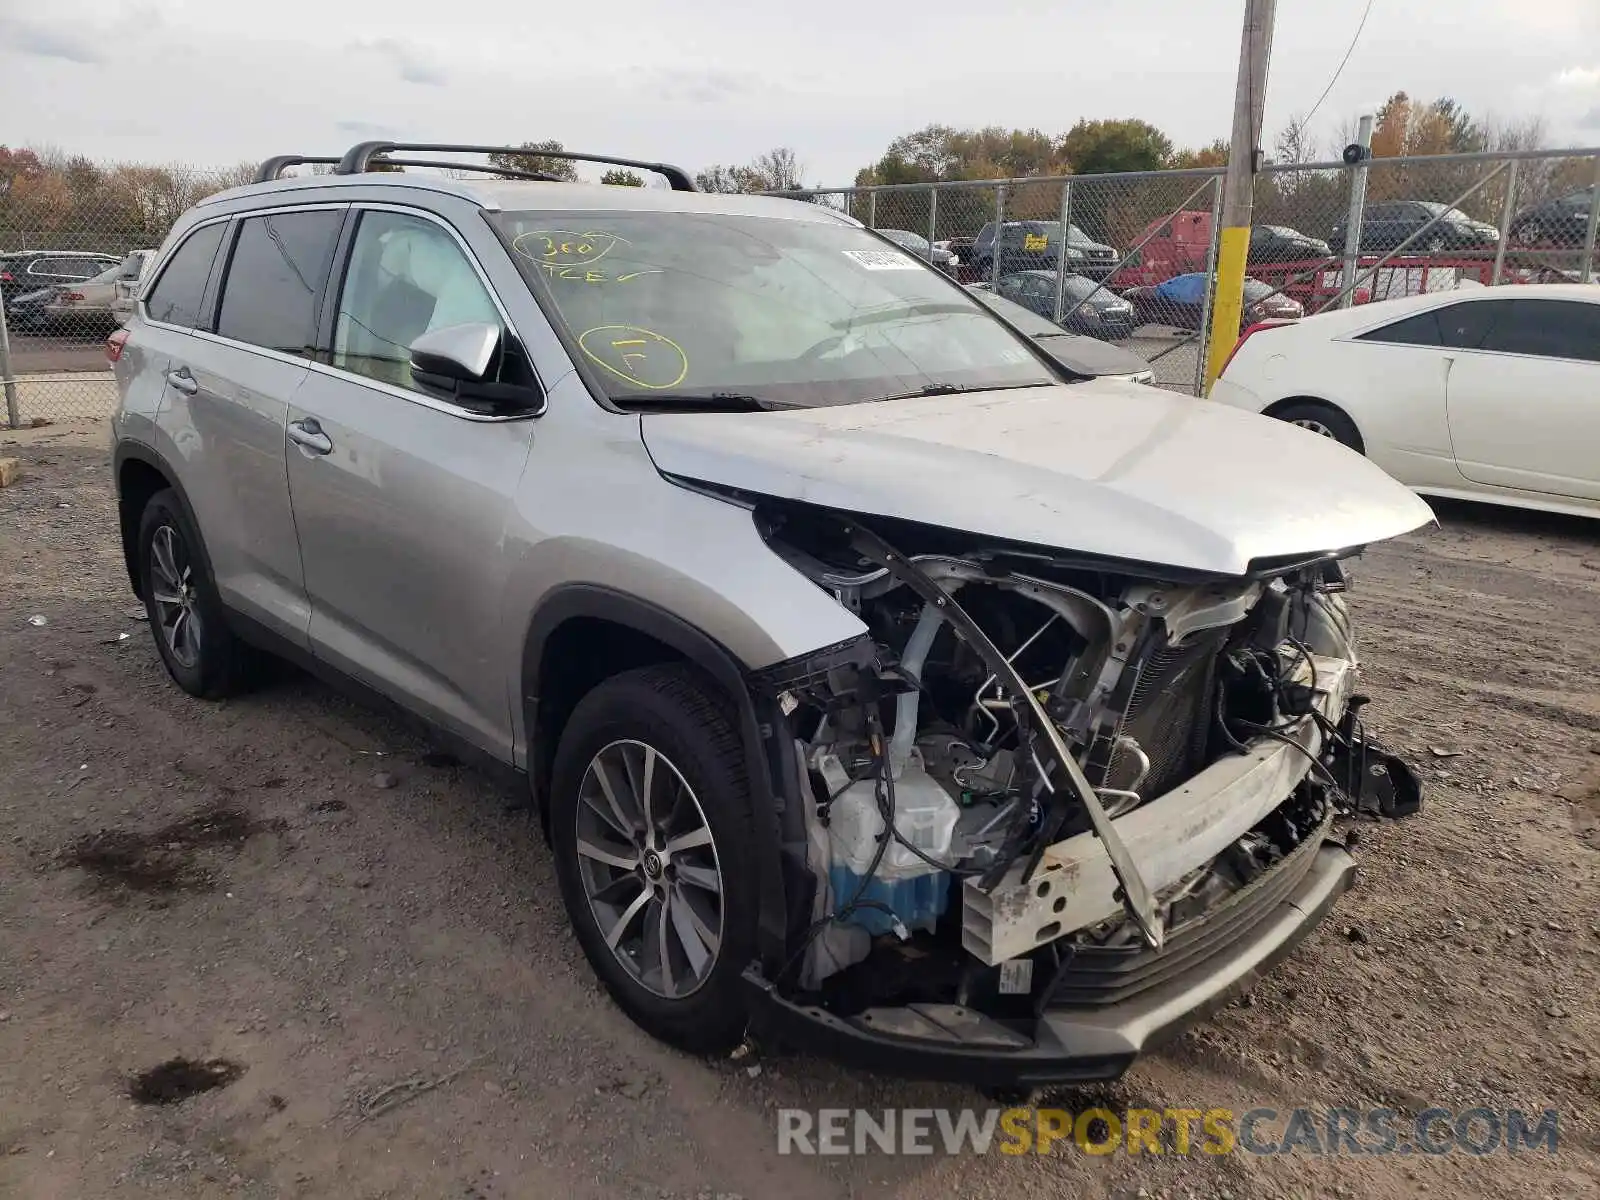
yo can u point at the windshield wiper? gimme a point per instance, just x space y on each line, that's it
698 402
953 389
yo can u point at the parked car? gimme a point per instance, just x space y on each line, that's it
1089 308
134 268
1084 357
1036 245
1180 302
918 245
1486 394
25 312
664 519
85 307
1386 226
29 272
1280 244
1562 222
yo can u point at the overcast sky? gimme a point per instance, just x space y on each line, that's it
218 81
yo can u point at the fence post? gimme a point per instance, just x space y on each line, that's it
1358 208
1506 209
1061 250
13 412
999 230
1200 359
1587 270
933 219
872 210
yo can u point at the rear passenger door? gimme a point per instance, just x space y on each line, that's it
229 384
401 498
1525 405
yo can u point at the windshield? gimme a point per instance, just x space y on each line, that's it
680 307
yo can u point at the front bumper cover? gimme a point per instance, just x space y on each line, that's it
1076 1045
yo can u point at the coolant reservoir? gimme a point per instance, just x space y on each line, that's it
925 815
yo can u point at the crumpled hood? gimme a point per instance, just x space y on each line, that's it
1105 468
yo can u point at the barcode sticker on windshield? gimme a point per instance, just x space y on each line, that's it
883 260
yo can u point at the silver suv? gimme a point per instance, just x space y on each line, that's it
881 692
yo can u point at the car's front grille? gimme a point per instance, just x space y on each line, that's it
1102 975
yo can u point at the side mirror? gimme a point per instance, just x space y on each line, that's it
457 362
455 354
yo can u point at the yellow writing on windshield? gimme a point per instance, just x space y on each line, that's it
640 356
566 247
1035 241
591 275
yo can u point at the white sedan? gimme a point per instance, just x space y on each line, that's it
1490 394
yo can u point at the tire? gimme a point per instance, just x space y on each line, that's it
1317 417
191 630
660 974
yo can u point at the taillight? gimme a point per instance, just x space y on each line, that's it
5 277
73 296
114 345
1245 337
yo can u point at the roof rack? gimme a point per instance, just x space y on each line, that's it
359 157
273 167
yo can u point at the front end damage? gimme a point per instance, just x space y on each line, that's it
1050 810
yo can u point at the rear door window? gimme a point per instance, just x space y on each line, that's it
175 298
276 277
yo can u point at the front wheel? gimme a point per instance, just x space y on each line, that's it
651 826
1325 420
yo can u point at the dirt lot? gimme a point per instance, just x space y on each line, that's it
291 890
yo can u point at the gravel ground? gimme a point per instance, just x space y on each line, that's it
363 945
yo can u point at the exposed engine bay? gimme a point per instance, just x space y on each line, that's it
1034 761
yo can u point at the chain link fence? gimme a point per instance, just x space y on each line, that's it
74 237
1139 250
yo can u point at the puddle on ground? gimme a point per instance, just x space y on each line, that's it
175 1080
160 860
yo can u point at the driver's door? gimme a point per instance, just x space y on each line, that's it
400 498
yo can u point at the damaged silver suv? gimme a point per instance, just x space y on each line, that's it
883 691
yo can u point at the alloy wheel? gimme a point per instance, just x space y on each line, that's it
1315 426
172 587
648 865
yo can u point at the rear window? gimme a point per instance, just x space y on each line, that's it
175 298
275 279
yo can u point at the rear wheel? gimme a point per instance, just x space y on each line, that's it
650 822
185 613
1323 419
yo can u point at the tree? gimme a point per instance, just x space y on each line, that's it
1213 155
778 170
539 164
939 152
1099 147
617 177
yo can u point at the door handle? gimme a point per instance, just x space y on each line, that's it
182 381
308 435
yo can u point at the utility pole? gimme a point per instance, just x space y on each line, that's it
1238 195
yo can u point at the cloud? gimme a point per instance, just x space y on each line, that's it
1579 78
411 65
43 42
710 86
365 129
1590 119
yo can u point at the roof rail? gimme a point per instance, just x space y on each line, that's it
273 167
358 158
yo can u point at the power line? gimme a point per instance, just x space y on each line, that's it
1306 120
